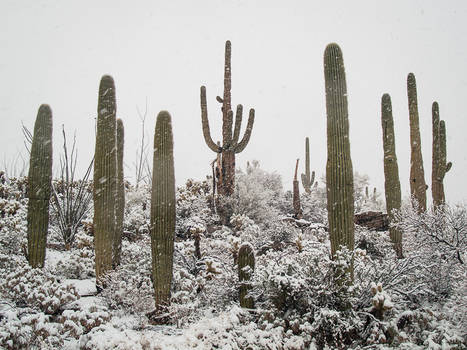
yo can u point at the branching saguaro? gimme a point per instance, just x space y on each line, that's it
39 187
392 184
418 185
230 140
105 180
296 195
163 211
120 197
308 178
339 173
439 165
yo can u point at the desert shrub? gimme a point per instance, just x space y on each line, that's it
79 262
37 288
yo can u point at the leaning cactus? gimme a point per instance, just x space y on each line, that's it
105 179
307 179
246 267
296 195
120 197
392 186
39 187
230 140
439 165
417 174
339 174
162 210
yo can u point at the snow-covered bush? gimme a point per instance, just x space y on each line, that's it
257 194
129 287
37 288
137 209
24 329
79 262
13 212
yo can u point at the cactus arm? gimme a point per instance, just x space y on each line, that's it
205 122
448 166
226 101
246 137
238 123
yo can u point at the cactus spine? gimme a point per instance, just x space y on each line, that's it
439 165
307 179
105 171
163 210
339 174
230 141
392 184
417 174
120 200
39 187
246 267
296 195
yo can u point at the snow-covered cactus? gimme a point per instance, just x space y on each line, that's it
339 173
307 178
39 187
296 195
246 267
392 186
381 301
439 165
417 174
230 141
105 179
120 202
163 210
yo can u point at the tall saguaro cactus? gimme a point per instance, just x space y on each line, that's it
120 196
105 179
163 210
418 185
392 184
230 140
307 178
439 165
246 267
339 173
296 195
39 187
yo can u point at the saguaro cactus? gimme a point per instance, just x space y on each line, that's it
162 210
105 179
418 185
392 186
246 267
307 178
439 165
296 195
120 196
39 187
339 173
230 141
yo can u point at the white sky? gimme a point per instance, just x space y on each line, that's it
55 52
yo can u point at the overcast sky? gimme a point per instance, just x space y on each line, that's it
161 52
